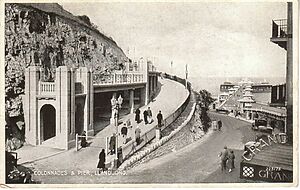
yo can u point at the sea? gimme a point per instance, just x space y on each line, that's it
212 84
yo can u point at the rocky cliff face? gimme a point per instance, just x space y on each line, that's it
48 36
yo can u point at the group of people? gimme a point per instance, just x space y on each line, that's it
227 159
148 117
125 130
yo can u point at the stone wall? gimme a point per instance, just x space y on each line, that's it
48 39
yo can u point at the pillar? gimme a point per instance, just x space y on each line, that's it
145 91
247 115
289 73
153 84
157 134
131 100
86 79
65 109
252 115
32 77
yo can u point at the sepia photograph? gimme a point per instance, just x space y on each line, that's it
155 92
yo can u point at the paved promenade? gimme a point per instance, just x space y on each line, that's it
171 96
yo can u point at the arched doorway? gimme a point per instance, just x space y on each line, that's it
79 118
48 121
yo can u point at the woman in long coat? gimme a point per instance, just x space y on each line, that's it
137 115
231 158
101 163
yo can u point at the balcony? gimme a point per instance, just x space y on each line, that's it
279 32
47 88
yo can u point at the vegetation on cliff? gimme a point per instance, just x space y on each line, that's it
204 99
48 36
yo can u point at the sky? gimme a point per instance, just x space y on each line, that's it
215 39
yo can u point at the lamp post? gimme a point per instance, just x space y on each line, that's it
186 76
118 106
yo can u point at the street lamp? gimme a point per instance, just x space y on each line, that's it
116 105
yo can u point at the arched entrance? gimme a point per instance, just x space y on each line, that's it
48 121
79 118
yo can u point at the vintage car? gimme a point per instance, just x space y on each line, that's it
14 173
222 110
261 126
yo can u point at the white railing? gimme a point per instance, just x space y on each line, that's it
125 78
47 88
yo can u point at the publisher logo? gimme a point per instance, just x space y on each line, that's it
248 171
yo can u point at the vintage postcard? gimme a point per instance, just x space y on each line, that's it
167 93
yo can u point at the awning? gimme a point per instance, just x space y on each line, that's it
273 163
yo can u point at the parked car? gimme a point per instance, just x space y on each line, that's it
14 173
262 126
222 110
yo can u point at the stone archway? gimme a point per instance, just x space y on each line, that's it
48 122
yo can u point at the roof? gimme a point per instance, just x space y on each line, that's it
260 84
276 155
246 100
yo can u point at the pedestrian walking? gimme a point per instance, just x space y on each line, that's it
231 158
124 131
224 157
138 135
112 144
159 119
83 142
149 114
145 113
101 162
219 125
137 115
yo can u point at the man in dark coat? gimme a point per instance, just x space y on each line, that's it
219 125
124 131
224 158
83 140
138 135
112 144
159 119
137 115
145 113
101 162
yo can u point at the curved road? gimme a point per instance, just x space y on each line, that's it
195 163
